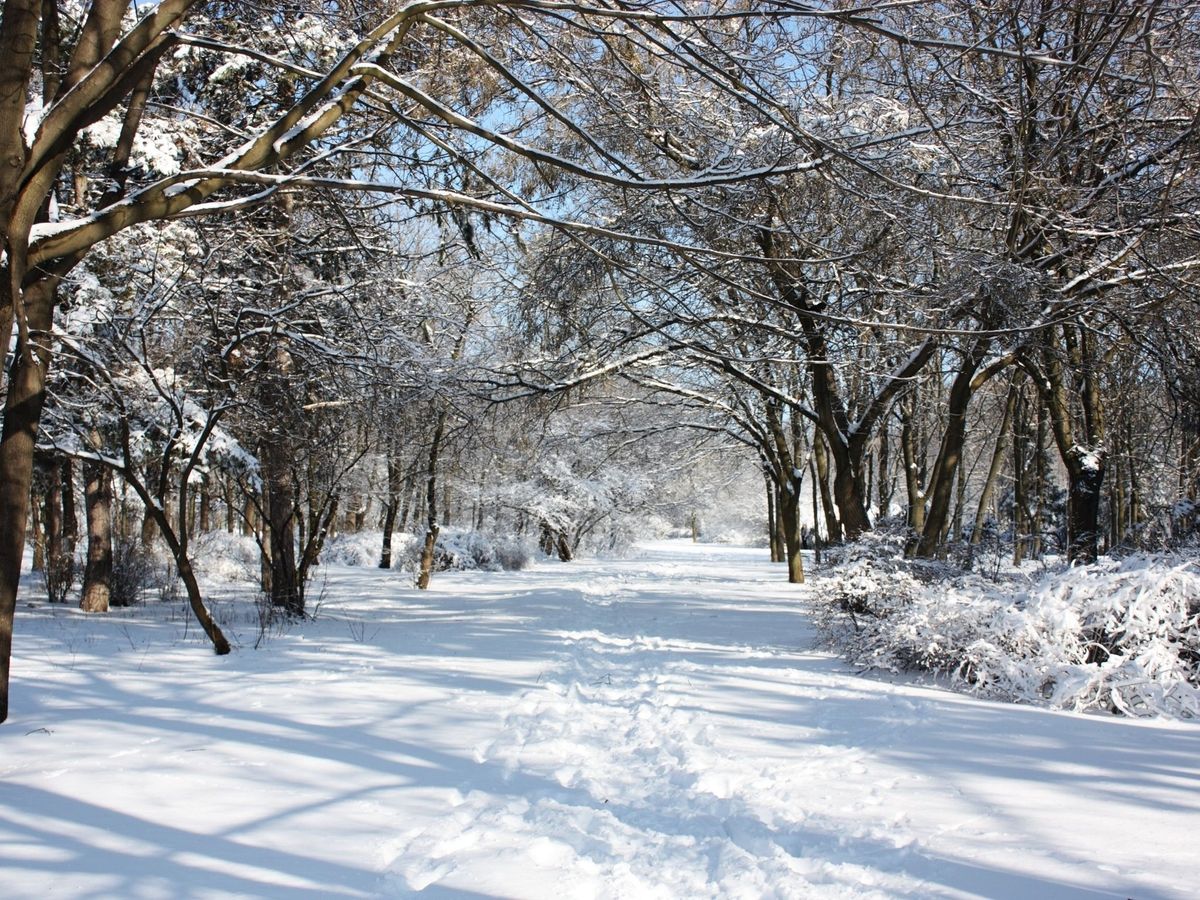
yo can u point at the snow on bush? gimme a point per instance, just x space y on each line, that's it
364 548
1120 635
456 549
460 549
222 558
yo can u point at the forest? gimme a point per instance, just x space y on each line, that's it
566 275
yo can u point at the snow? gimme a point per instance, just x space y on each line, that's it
657 726
154 145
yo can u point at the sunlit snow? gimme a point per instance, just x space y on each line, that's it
658 726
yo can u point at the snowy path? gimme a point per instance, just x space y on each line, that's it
656 727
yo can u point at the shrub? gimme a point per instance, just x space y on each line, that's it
59 576
1120 635
457 549
133 571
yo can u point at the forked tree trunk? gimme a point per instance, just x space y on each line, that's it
849 498
1080 443
97 576
566 552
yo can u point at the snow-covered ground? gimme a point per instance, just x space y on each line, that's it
652 727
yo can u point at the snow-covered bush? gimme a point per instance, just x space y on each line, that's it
461 549
221 557
456 548
363 548
1121 635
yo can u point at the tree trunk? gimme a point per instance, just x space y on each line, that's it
885 484
148 527
177 544
912 469
408 496
1080 440
1021 514
97 576
321 528
848 496
997 465
816 532
70 521
772 531
394 486
52 520
833 527
1041 483
37 531
949 459
1085 478
205 503
227 499
789 518
22 413
425 571
389 525
280 525
566 552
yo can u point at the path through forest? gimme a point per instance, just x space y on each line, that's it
659 726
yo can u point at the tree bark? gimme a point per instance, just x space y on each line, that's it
395 484
949 458
772 521
833 526
22 412
280 524
789 518
97 576
1080 444
912 469
997 464
69 518
425 570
